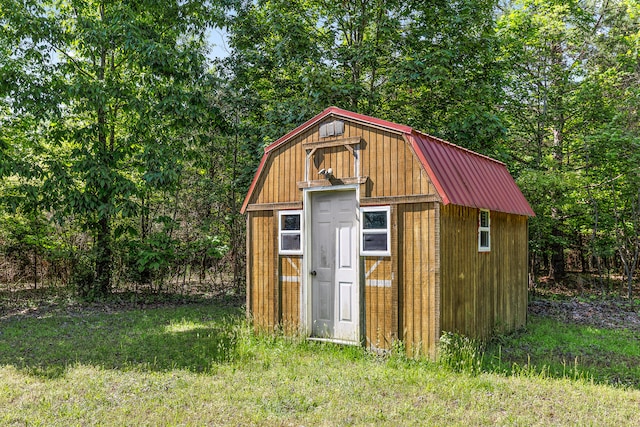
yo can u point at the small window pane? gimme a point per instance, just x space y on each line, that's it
375 231
484 219
484 239
290 222
374 242
375 220
290 242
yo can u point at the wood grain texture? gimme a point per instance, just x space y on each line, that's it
261 278
482 292
290 281
418 270
377 291
384 157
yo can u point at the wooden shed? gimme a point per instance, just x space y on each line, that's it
364 231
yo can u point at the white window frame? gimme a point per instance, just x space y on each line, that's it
482 229
386 231
282 232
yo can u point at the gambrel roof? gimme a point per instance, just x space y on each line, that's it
460 176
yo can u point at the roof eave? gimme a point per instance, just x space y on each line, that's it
254 182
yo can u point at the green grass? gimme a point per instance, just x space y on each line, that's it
610 356
200 364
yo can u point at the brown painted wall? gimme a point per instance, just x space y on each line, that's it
482 291
290 280
419 277
377 293
262 269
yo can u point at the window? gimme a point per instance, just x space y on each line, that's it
484 231
375 236
290 232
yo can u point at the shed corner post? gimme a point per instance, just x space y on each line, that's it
526 293
249 258
365 340
437 290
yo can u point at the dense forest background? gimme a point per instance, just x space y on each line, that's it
126 149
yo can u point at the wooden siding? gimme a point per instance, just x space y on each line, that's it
377 293
384 157
285 166
482 292
262 269
418 277
290 281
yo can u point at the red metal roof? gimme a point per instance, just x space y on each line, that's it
460 176
467 178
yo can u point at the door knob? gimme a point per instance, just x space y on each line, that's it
313 272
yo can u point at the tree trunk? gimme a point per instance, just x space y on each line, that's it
103 249
556 267
557 262
103 257
35 269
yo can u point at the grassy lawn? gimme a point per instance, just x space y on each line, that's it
565 350
200 364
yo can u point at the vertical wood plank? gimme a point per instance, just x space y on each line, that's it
436 304
249 263
400 280
409 281
275 275
425 282
394 171
401 161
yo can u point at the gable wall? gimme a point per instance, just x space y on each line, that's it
385 158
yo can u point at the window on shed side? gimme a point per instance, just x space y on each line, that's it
484 231
375 232
290 232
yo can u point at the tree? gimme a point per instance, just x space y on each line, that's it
431 66
544 44
613 144
107 91
447 79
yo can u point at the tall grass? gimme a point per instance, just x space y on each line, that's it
460 353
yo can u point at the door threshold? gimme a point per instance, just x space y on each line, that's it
333 340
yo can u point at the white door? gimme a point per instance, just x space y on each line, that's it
334 282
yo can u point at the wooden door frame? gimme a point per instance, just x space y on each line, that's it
306 318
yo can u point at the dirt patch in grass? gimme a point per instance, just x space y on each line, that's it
578 284
607 314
